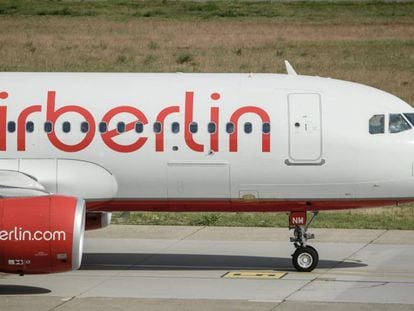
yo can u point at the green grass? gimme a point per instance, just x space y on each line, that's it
371 42
320 11
399 217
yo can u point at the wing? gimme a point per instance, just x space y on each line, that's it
17 184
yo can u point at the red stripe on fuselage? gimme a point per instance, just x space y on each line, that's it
223 205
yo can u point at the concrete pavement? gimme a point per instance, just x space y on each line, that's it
182 268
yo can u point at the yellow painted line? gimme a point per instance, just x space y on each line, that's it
248 274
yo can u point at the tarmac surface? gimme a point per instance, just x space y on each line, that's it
216 268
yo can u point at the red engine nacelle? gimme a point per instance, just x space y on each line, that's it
41 234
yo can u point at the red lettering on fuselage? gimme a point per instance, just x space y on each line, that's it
189 102
52 115
108 137
214 117
21 125
235 120
214 137
3 121
159 137
4 95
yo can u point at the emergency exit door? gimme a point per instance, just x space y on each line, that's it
305 129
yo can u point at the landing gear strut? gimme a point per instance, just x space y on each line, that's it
305 258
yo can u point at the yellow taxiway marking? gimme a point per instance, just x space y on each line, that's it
248 274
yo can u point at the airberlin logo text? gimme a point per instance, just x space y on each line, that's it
19 234
109 137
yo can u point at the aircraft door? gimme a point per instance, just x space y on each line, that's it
305 129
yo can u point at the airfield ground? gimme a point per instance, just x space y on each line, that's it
196 268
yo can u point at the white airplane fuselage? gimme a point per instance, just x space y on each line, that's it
228 142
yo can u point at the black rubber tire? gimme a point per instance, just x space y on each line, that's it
316 252
302 252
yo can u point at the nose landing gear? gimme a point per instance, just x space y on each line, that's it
305 258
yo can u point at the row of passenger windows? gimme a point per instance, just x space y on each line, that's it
139 127
396 123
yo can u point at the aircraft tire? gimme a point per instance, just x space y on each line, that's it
305 259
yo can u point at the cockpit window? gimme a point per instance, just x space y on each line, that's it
376 124
410 117
398 123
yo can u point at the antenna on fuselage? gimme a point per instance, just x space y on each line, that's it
290 69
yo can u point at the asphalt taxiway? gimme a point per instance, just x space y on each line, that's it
216 268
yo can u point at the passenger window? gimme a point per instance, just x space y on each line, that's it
211 127
66 127
229 127
120 127
29 127
193 127
139 127
84 127
175 127
248 127
398 123
410 117
266 128
103 127
48 127
157 127
376 124
11 126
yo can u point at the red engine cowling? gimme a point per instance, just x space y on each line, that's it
97 220
41 234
